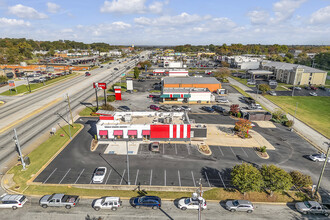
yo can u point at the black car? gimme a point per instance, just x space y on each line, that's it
208 109
218 108
141 80
146 201
124 108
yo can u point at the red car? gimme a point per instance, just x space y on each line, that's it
87 74
154 107
314 88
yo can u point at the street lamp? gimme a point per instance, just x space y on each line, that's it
19 148
322 171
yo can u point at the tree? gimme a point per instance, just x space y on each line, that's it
234 109
136 72
264 88
275 178
224 64
300 180
222 73
246 178
145 63
243 126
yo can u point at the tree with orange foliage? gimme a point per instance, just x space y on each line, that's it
243 126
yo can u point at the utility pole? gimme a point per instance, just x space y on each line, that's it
27 78
19 148
97 101
293 90
322 171
128 182
69 125
69 107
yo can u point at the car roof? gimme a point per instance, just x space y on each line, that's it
151 198
11 197
314 203
107 199
58 196
244 202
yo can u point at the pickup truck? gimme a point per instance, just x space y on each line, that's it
312 207
59 200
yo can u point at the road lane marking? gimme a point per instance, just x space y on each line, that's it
137 174
50 175
232 151
176 150
79 176
244 152
64 176
192 174
207 179
221 151
29 115
122 177
179 178
108 177
150 177
222 180
164 177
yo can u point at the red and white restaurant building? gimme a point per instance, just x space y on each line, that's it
162 126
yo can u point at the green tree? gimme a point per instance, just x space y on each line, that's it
264 88
300 180
275 178
136 72
246 178
222 73
3 79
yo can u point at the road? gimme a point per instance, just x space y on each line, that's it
215 210
33 124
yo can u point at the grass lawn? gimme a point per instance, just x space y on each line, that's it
154 91
87 111
314 111
327 82
25 88
123 87
243 81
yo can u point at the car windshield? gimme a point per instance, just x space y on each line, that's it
235 203
103 200
187 201
22 199
99 172
307 204
141 200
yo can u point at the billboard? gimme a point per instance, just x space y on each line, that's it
100 85
129 84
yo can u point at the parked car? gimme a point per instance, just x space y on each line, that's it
223 100
99 174
208 109
192 203
115 68
165 108
154 146
154 107
251 83
273 93
314 88
308 87
218 108
87 74
297 88
322 87
147 201
12 201
141 80
312 207
59 200
185 108
176 108
313 93
239 205
112 203
124 108
318 157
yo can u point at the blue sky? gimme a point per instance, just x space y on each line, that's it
169 22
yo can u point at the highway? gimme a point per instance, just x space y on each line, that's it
33 125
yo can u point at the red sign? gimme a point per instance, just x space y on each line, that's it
100 85
11 83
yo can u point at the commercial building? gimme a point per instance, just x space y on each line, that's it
243 62
295 74
187 95
171 73
211 83
143 126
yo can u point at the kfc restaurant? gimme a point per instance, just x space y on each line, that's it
162 126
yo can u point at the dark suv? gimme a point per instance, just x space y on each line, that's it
147 201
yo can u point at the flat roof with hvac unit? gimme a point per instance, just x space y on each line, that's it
210 83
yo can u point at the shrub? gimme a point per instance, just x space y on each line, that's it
263 149
246 177
302 196
108 107
111 98
300 180
289 123
264 88
234 109
238 115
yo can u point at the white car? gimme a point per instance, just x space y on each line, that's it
12 201
112 203
99 174
191 203
273 93
318 157
313 93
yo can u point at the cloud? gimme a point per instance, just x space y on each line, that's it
181 19
284 9
132 7
258 17
105 29
22 11
53 8
321 16
7 22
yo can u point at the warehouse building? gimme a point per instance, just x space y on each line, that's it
211 83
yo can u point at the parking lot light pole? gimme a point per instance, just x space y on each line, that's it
19 148
322 171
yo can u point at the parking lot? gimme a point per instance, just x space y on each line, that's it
176 164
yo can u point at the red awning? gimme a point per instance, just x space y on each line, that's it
103 132
146 132
117 132
132 132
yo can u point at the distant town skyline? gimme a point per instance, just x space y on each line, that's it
169 22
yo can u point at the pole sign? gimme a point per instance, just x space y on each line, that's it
11 83
100 85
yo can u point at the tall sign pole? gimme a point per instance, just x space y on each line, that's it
105 97
19 148
97 101
69 107
322 171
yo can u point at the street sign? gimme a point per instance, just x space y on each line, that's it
11 83
100 85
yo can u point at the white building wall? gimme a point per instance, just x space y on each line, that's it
205 96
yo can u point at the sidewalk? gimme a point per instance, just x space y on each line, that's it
304 130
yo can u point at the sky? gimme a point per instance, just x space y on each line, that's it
169 22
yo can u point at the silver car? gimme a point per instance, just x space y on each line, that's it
239 205
318 157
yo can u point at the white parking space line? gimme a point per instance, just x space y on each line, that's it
207 179
50 175
232 151
122 177
192 174
188 148
150 177
179 178
164 177
108 177
64 176
244 152
136 178
221 151
176 150
163 149
222 180
79 176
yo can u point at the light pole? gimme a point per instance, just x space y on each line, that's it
295 112
322 171
19 148
200 200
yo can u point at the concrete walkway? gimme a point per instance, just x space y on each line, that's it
311 135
